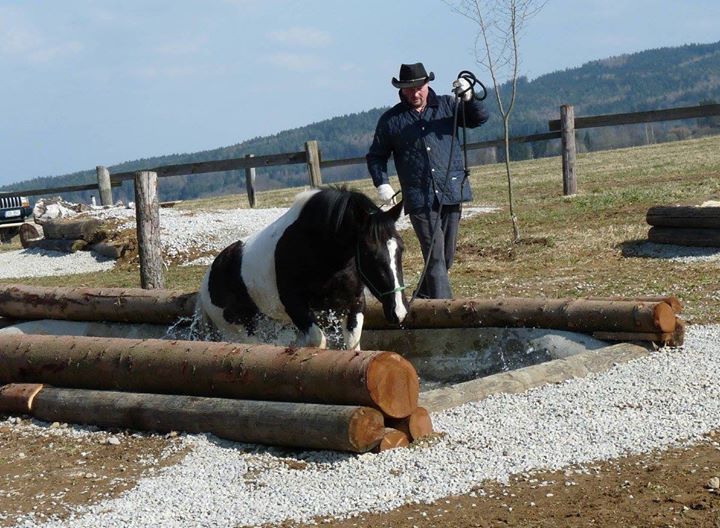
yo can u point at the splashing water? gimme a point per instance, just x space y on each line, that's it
268 331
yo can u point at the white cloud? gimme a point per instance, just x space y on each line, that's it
301 36
297 61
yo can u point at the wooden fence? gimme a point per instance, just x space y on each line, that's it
145 181
563 129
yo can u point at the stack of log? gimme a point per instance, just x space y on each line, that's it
684 225
68 235
650 318
306 397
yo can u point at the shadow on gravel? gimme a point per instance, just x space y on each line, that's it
644 249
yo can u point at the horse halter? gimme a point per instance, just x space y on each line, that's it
368 282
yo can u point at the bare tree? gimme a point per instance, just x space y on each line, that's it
500 23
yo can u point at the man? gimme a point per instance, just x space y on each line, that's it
418 132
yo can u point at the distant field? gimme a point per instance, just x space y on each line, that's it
570 246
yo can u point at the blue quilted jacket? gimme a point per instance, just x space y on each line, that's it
420 146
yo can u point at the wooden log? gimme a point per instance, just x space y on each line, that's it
383 380
305 425
104 185
125 305
415 426
520 380
392 439
17 398
684 216
578 315
109 249
694 237
166 306
28 234
670 300
84 228
672 339
147 217
57 244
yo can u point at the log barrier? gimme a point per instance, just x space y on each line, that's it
382 380
651 316
306 425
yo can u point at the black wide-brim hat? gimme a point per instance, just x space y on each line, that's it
412 76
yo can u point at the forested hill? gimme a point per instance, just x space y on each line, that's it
653 79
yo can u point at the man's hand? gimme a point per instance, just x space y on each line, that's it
462 89
386 193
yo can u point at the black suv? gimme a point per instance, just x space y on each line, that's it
14 210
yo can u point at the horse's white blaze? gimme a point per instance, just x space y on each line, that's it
352 337
258 269
400 310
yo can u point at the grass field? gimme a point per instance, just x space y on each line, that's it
570 247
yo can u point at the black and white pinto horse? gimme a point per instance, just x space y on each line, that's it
317 257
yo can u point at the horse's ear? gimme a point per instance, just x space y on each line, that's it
395 211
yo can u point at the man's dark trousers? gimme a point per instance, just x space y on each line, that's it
436 284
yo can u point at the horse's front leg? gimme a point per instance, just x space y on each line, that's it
354 324
302 317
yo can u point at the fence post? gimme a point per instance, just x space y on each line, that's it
567 128
103 178
313 163
250 182
147 216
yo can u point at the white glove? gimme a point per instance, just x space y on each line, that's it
386 193
462 89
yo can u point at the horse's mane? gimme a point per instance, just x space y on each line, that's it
340 211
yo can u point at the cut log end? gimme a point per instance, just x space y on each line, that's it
366 429
393 384
415 426
665 318
17 398
28 234
392 439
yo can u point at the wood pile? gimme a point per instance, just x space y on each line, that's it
304 397
68 235
684 225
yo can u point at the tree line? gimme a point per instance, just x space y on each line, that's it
648 80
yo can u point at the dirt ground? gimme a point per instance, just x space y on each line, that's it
50 473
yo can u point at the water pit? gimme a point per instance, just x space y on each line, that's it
462 349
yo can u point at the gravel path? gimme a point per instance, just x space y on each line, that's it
667 398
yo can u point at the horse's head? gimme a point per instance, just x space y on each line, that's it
379 262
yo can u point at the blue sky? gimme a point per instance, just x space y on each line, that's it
88 83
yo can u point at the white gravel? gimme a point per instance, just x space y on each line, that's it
668 398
